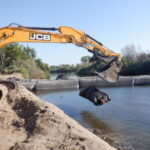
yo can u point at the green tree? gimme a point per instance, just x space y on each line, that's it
30 52
18 58
2 52
85 59
12 53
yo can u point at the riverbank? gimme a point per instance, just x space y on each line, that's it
83 82
27 122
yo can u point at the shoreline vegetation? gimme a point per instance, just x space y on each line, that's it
135 61
21 59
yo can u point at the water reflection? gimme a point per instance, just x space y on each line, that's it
101 129
38 93
95 122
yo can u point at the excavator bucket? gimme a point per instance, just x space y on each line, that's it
110 72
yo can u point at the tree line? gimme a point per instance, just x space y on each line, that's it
135 61
64 68
22 59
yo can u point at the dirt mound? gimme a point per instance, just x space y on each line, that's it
28 123
13 75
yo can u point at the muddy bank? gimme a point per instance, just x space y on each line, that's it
26 122
114 139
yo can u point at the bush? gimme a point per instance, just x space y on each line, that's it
17 58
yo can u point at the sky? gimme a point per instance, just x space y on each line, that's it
115 23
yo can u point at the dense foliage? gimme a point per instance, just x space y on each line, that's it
135 61
64 68
18 58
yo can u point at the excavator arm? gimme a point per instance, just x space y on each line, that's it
63 34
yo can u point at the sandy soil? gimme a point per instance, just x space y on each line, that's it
13 75
28 123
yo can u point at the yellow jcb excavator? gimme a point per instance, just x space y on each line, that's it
18 33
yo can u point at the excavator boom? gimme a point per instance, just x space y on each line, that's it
63 34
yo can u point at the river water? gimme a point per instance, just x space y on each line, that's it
126 117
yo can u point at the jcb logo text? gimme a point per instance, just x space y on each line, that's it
36 36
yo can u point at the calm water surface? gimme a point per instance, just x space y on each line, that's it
126 116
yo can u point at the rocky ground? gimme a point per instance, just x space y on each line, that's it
28 123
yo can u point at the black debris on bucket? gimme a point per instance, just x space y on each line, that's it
94 95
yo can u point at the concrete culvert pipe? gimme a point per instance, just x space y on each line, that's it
56 84
3 91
